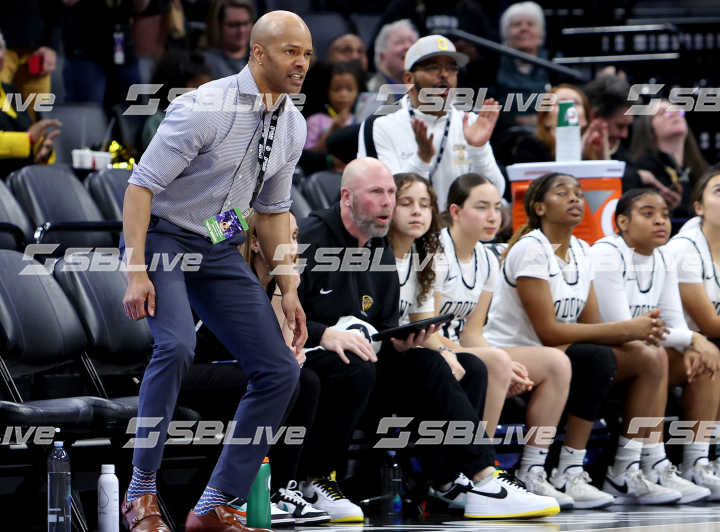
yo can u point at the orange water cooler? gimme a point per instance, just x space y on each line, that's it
601 183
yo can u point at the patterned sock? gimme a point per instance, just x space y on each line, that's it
142 482
211 499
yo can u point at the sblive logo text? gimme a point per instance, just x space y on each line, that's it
433 432
207 433
103 260
23 435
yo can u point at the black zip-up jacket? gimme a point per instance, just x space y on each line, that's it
327 293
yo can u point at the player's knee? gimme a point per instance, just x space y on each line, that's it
499 365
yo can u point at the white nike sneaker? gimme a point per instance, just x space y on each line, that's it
455 495
325 494
576 483
704 475
502 497
666 474
290 500
535 480
631 487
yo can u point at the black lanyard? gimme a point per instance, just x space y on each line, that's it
265 145
411 111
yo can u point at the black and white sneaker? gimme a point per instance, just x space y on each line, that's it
326 495
291 501
455 493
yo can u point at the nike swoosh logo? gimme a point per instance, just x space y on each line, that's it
621 489
313 499
324 292
499 495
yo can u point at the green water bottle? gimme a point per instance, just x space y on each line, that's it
258 504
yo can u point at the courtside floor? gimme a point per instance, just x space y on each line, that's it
701 517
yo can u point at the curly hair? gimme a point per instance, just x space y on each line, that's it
429 243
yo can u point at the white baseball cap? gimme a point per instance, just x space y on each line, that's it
431 46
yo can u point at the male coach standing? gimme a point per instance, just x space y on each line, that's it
202 174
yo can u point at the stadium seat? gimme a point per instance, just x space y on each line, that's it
117 344
61 208
322 189
324 27
107 188
130 127
300 206
15 228
366 25
83 125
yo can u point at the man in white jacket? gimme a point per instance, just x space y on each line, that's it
437 144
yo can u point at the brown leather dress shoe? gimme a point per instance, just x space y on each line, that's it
221 519
143 514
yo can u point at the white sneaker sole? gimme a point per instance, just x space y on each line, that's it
590 505
543 512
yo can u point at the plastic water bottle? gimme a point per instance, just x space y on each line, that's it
59 489
258 505
568 143
108 500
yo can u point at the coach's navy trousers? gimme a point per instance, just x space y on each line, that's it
229 299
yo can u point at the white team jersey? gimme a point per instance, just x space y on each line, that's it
407 269
644 277
694 263
461 284
628 285
508 324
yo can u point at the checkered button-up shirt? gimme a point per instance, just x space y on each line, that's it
207 145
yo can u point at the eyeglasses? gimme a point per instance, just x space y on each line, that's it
435 68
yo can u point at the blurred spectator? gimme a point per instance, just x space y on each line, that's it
229 23
438 144
665 156
178 69
522 27
100 58
348 47
151 30
435 16
21 141
32 32
608 96
594 134
339 85
518 145
391 44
